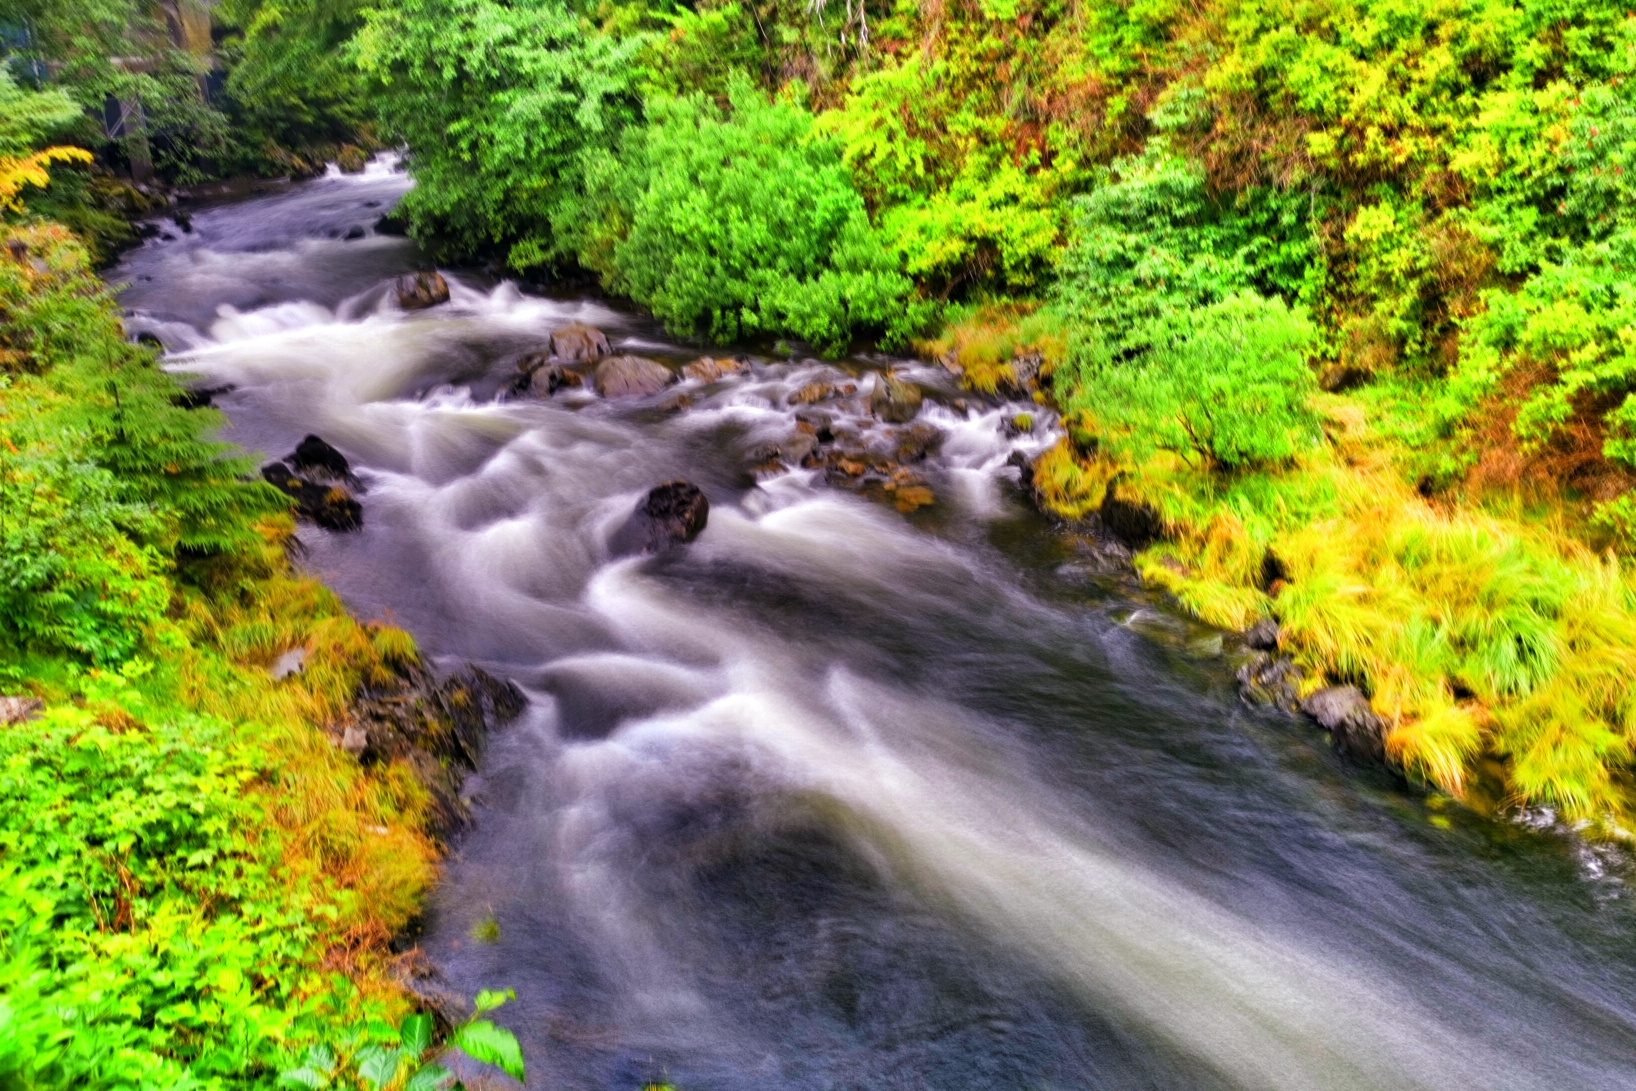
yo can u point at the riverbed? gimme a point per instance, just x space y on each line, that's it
845 796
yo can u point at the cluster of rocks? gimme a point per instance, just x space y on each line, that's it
578 357
867 455
1271 678
319 479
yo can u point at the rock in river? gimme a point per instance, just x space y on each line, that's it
330 506
671 514
630 377
576 343
417 291
313 455
1344 711
894 400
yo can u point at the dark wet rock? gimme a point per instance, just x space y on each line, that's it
183 221
1343 377
917 443
821 423
1270 680
200 397
577 343
631 377
314 455
330 506
417 291
1133 522
393 222
439 728
1344 712
351 159
894 400
354 232
671 514
710 369
16 710
1263 635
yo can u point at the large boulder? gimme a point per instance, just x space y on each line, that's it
1345 713
417 291
330 506
894 400
630 377
16 710
577 343
671 514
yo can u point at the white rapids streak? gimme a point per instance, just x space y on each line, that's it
932 810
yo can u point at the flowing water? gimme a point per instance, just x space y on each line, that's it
837 797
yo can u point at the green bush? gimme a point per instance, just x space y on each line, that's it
500 105
1226 384
746 222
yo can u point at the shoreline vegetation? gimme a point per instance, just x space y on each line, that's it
1332 301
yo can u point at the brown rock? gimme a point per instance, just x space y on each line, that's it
909 497
707 369
578 342
417 291
1345 713
894 400
812 392
351 159
631 377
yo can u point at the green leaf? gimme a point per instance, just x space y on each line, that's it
303 1077
489 999
428 1078
483 1041
416 1035
377 1066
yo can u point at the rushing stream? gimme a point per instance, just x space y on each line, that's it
838 797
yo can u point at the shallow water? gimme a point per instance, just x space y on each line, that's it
837 797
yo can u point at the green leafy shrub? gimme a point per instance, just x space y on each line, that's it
746 222
381 1058
1227 384
500 104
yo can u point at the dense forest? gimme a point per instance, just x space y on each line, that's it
1336 295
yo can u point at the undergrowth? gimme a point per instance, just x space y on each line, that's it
194 879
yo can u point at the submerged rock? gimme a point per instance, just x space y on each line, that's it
417 291
577 343
671 514
545 381
330 506
1345 713
631 377
894 400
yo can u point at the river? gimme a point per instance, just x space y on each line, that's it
840 797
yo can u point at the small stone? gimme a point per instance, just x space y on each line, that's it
417 291
16 710
1263 635
355 740
1345 713
893 400
707 369
798 447
910 497
812 392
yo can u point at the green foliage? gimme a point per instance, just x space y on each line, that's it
501 106
746 222
291 78
1227 383
378 1058
105 485
28 118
